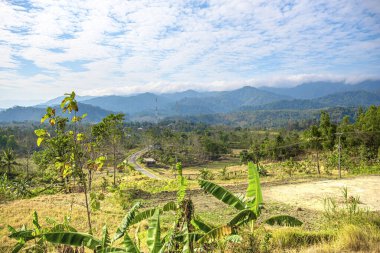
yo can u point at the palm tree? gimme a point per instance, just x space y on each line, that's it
8 160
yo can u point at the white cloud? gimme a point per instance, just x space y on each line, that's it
135 46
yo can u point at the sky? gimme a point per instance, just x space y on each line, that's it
95 47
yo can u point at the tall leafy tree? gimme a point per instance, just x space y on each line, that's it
65 146
214 148
110 135
11 142
369 124
313 135
327 130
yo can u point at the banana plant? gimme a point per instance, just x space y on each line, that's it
59 233
249 206
63 234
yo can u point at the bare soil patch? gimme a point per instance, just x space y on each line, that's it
311 195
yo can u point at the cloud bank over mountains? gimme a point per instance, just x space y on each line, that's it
123 47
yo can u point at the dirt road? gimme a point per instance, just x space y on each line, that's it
311 195
132 160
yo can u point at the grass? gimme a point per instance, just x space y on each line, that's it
19 212
288 238
358 238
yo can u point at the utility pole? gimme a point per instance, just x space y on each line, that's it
339 151
156 111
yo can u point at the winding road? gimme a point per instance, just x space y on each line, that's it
132 160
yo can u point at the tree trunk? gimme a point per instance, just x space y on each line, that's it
87 208
318 169
89 179
27 164
86 200
114 165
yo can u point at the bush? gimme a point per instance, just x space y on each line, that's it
206 174
224 174
126 197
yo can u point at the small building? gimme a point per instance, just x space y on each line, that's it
150 162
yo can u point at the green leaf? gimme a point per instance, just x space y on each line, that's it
198 223
154 233
39 141
64 101
11 229
45 117
19 245
170 206
222 194
242 218
187 243
216 234
127 221
254 188
143 216
84 115
94 202
234 239
181 193
99 162
36 224
284 220
67 170
130 246
105 237
75 119
25 235
179 168
73 239
80 137
251 192
41 132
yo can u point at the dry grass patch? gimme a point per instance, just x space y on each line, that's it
20 212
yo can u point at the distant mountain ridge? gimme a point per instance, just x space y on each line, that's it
34 114
343 99
146 106
58 100
320 89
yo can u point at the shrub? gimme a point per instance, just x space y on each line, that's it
206 174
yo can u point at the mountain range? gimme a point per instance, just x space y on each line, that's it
34 114
190 103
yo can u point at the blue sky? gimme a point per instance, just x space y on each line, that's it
121 47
